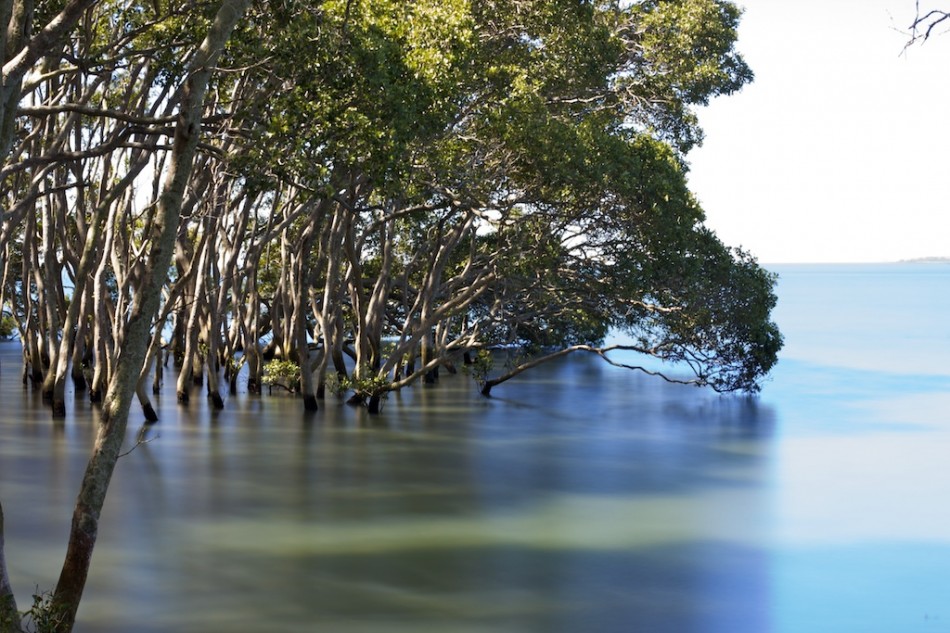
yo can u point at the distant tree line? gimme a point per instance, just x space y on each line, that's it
367 191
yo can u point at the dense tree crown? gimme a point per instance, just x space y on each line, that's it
379 187
353 194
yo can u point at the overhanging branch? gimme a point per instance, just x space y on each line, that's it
602 352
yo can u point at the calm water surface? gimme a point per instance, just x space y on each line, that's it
579 499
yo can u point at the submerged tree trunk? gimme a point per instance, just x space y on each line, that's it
190 358
147 409
159 374
111 433
9 616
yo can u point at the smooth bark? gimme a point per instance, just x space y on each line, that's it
9 616
111 433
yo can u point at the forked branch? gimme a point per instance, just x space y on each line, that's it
924 24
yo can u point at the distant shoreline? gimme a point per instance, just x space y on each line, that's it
916 260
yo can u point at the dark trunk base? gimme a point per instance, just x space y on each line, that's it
216 400
95 396
310 403
149 411
183 397
79 382
59 409
355 400
373 406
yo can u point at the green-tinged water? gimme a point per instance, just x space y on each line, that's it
580 498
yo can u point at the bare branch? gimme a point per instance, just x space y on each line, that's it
602 352
924 24
118 115
140 441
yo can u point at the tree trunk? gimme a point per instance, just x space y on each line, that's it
158 376
76 368
74 323
9 616
111 434
190 359
373 406
428 354
252 344
148 410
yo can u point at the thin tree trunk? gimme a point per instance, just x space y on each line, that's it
111 433
190 357
158 376
78 307
252 345
9 616
142 394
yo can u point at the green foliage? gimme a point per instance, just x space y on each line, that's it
334 384
234 364
8 326
365 383
481 366
560 125
42 616
684 56
10 619
351 85
282 373
716 305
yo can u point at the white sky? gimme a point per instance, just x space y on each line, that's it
839 151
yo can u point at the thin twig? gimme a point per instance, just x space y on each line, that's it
139 441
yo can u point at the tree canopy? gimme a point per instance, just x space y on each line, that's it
366 191
384 181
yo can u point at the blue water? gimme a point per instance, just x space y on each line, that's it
862 401
580 498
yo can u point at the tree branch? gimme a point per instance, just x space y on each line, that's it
598 351
923 25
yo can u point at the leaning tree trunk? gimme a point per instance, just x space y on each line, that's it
80 348
19 57
186 373
45 278
111 433
142 393
92 255
72 326
9 616
213 337
252 345
299 324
